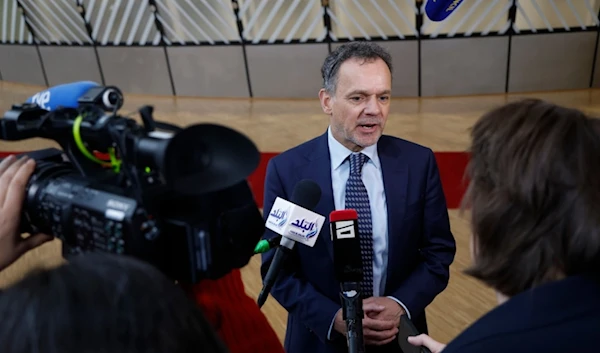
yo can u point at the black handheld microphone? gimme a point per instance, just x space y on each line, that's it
347 265
306 194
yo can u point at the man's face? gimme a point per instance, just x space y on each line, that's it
361 103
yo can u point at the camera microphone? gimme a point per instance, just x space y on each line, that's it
66 95
78 94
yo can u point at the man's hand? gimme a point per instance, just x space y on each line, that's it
375 332
14 175
424 340
382 319
340 325
391 310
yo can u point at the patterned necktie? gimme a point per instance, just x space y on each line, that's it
358 199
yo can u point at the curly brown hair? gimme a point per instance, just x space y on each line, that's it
534 195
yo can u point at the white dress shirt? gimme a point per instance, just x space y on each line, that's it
372 178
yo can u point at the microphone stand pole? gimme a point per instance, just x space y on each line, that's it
352 311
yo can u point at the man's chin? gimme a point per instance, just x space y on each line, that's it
368 140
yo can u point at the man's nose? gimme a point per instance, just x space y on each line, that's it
373 107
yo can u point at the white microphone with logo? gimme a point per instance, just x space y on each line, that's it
295 222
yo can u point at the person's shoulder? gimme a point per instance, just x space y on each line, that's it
556 339
506 329
297 154
404 146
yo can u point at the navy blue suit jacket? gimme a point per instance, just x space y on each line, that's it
557 317
421 245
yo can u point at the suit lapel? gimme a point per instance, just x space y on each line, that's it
319 170
395 181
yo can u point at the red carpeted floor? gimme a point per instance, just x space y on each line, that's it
451 164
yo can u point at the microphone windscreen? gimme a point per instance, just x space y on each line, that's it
438 10
343 215
66 95
306 194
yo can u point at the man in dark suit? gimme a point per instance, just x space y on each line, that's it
394 185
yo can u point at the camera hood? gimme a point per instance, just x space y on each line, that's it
201 158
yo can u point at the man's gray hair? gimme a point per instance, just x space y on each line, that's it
353 50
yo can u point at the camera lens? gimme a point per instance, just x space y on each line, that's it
43 216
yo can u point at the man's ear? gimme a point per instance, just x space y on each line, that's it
325 99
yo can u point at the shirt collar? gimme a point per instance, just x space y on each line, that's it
338 152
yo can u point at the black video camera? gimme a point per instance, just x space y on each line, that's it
176 198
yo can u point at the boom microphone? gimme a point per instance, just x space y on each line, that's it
295 222
438 10
347 265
